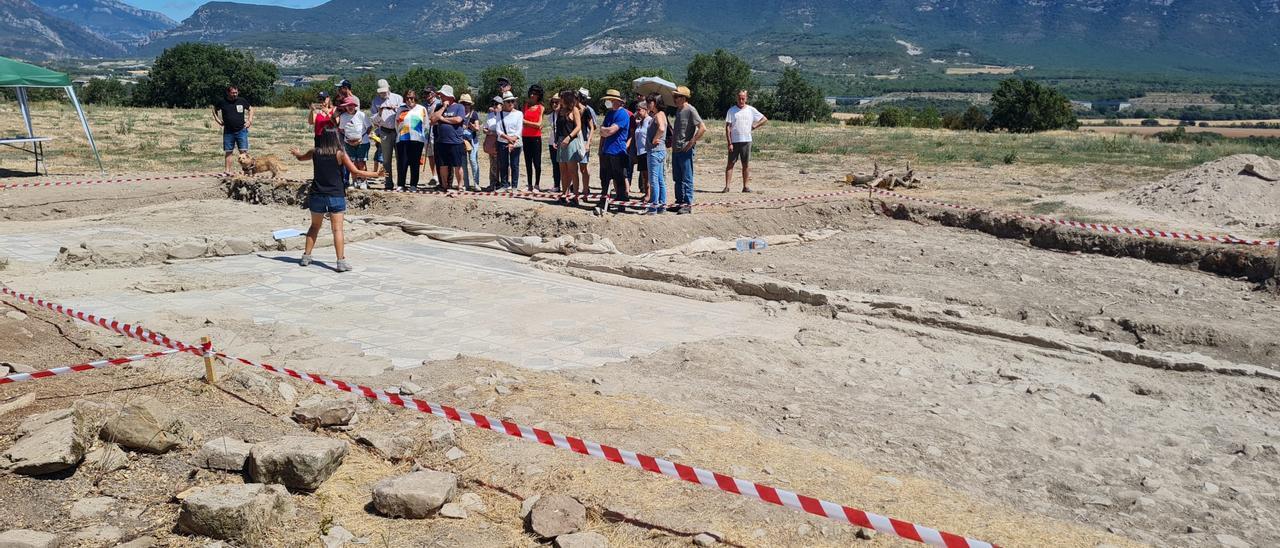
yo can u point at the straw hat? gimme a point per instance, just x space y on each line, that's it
466 98
508 96
612 94
683 91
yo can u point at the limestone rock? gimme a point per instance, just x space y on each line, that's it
391 446
555 515
188 249
704 539
238 513
409 388
98 535
52 448
140 542
91 507
146 425
326 413
414 495
287 392
223 454
453 510
26 538
454 453
472 502
589 539
298 462
39 421
336 537
107 458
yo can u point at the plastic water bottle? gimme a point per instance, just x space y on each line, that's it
751 244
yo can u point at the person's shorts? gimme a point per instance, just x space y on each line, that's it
586 155
642 162
450 155
573 153
357 153
239 139
320 203
740 152
431 149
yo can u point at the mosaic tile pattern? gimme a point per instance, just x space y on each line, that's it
415 300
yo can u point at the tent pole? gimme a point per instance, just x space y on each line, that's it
25 107
71 92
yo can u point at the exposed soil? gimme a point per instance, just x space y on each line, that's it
874 394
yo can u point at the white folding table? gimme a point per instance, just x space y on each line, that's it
36 150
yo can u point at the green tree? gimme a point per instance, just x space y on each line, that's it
193 75
714 80
928 118
974 119
489 81
798 100
893 117
1024 106
767 103
105 91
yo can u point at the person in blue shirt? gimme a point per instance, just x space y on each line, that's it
613 150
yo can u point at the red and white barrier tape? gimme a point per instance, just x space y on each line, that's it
1130 231
14 185
96 364
707 478
131 331
536 195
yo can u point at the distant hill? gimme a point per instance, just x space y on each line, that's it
825 35
116 21
30 33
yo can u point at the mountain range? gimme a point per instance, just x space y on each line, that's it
829 36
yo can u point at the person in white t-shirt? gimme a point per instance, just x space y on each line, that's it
740 121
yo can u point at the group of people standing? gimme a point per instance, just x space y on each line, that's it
446 133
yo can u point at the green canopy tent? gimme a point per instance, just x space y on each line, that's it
20 76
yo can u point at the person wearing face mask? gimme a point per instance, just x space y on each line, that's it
613 150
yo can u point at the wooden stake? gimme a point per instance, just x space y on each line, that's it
206 342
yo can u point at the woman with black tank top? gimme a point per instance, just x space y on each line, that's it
328 197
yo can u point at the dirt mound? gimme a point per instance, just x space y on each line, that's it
1220 191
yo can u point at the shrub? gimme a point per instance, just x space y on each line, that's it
105 91
893 117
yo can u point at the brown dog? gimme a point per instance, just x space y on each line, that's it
253 166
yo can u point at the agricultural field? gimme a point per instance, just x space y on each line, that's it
946 352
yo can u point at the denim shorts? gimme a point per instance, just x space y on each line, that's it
357 153
320 203
239 139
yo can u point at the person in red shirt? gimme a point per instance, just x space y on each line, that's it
322 115
531 136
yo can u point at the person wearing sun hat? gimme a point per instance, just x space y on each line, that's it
344 91
613 150
382 113
510 143
354 126
470 143
450 152
686 130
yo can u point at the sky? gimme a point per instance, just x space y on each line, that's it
181 9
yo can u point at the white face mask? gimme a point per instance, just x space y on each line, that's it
608 104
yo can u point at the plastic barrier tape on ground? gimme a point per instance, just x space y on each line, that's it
131 331
707 478
9 186
1131 231
595 198
96 364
